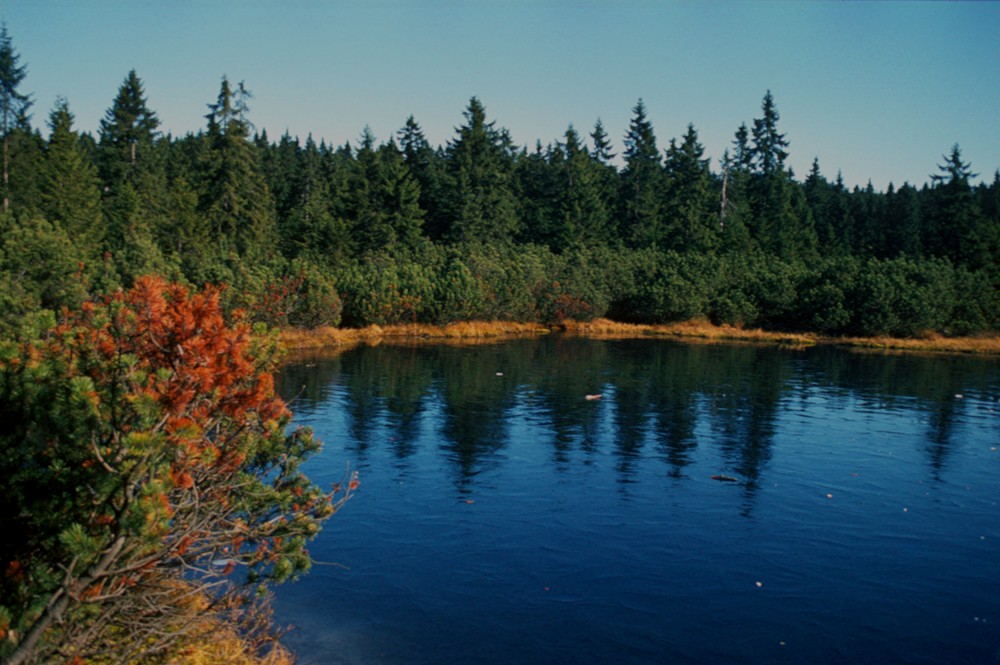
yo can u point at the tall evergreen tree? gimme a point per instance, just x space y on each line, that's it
902 222
688 206
607 177
427 166
602 144
869 213
309 227
126 133
536 175
280 166
641 182
768 152
584 212
734 204
781 222
70 194
14 105
481 203
399 194
957 230
26 152
384 198
818 198
235 197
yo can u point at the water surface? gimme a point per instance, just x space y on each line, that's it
505 518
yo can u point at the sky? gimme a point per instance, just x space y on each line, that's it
878 91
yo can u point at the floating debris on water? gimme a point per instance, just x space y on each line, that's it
725 479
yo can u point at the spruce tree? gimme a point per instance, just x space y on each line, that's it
537 187
399 193
126 134
781 222
14 105
957 230
607 179
768 152
902 222
688 206
311 229
280 166
585 215
428 167
70 194
818 198
602 144
235 197
642 179
480 204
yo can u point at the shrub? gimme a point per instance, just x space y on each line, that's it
144 452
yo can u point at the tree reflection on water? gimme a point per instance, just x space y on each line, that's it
658 398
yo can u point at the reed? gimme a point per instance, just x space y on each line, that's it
472 332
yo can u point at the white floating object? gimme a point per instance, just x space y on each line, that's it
593 397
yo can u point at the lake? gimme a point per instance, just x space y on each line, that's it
716 504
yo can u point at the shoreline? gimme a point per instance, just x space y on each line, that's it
479 332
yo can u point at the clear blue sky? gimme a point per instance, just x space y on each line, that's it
877 90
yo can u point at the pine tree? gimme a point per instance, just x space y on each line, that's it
818 198
384 198
130 236
537 194
14 105
957 230
902 217
607 178
70 194
602 144
641 182
480 204
235 197
311 229
734 204
280 166
781 222
585 215
688 206
144 438
127 133
870 223
400 196
768 152
26 152
742 152
428 167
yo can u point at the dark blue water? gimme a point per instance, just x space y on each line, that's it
504 518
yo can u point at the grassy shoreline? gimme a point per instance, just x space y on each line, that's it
689 331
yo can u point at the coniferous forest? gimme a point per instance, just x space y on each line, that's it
304 234
145 453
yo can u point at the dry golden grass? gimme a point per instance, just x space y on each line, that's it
693 331
697 330
982 344
215 641
467 333
225 646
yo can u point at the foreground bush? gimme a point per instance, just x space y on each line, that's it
146 461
